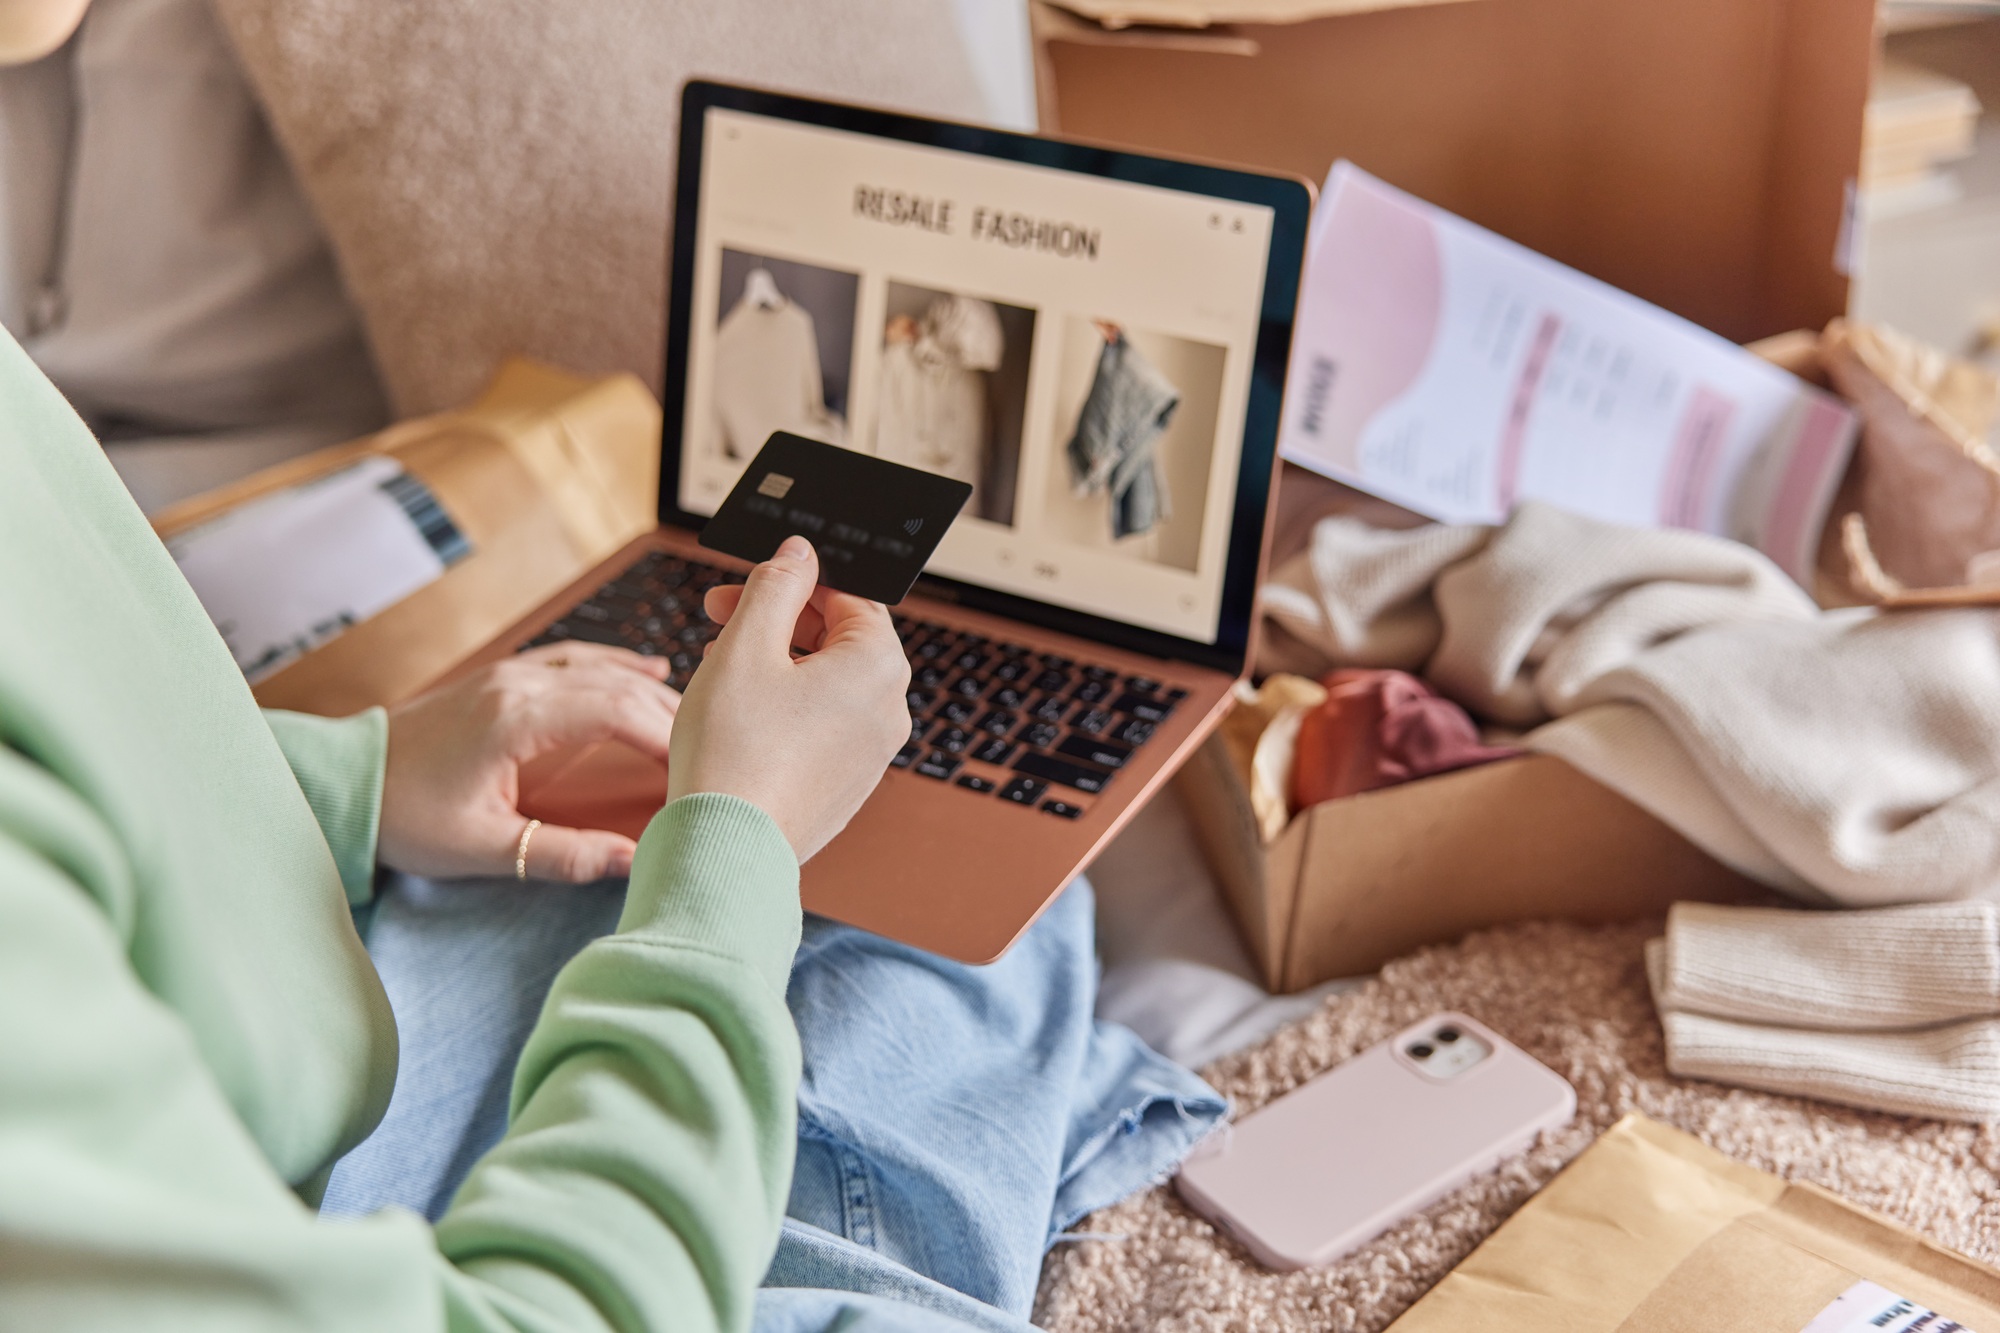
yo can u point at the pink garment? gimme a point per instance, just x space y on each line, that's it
1378 728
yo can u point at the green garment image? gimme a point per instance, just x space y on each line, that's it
191 1033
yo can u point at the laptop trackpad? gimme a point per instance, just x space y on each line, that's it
606 784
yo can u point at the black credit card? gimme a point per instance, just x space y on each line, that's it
873 522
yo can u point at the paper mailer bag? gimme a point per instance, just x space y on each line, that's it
545 474
1650 1231
1918 518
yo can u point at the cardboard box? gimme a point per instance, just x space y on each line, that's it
1698 154
1353 883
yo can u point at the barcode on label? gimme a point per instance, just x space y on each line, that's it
1866 1307
439 532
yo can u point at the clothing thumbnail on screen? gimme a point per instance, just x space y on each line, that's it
1138 412
784 351
952 392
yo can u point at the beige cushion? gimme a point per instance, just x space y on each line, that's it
496 177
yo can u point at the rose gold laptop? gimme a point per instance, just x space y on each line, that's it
1096 341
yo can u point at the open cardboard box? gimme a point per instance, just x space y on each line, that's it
1699 154
1353 883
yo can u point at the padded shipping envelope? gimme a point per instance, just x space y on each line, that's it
545 473
1651 1231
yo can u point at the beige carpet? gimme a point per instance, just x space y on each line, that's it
1576 999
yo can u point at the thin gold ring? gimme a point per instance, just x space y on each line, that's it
559 661
521 849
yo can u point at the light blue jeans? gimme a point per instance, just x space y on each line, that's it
953 1120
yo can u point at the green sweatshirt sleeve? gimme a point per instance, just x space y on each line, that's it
641 1185
649 1159
339 763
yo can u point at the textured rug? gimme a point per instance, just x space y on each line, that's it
1576 999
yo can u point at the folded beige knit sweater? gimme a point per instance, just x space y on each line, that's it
1899 967
1893 1010
1949 1073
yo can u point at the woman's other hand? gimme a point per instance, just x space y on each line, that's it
804 739
452 783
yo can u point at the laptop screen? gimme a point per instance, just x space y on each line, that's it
1078 347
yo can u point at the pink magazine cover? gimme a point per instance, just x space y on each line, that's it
1452 371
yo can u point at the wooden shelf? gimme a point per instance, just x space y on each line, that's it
1935 273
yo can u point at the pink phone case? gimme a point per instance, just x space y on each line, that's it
1333 1164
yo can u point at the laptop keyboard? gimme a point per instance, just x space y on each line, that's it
1034 728
989 717
653 608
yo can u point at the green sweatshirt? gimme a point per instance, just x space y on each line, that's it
191 1033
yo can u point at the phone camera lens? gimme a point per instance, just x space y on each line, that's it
1421 1051
1447 1035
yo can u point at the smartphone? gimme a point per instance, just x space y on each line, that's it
1333 1164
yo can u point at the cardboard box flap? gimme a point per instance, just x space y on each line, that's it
1117 14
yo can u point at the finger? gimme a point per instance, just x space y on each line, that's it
575 652
777 592
720 601
810 632
587 677
851 619
641 717
860 637
577 855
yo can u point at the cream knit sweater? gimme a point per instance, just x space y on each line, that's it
1896 1009
1849 757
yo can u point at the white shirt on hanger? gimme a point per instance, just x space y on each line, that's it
767 377
932 407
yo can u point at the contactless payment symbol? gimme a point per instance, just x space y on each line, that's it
913 526
775 484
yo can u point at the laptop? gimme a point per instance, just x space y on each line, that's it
1096 341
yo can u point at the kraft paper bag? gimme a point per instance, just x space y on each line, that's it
1650 1231
1919 513
545 474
